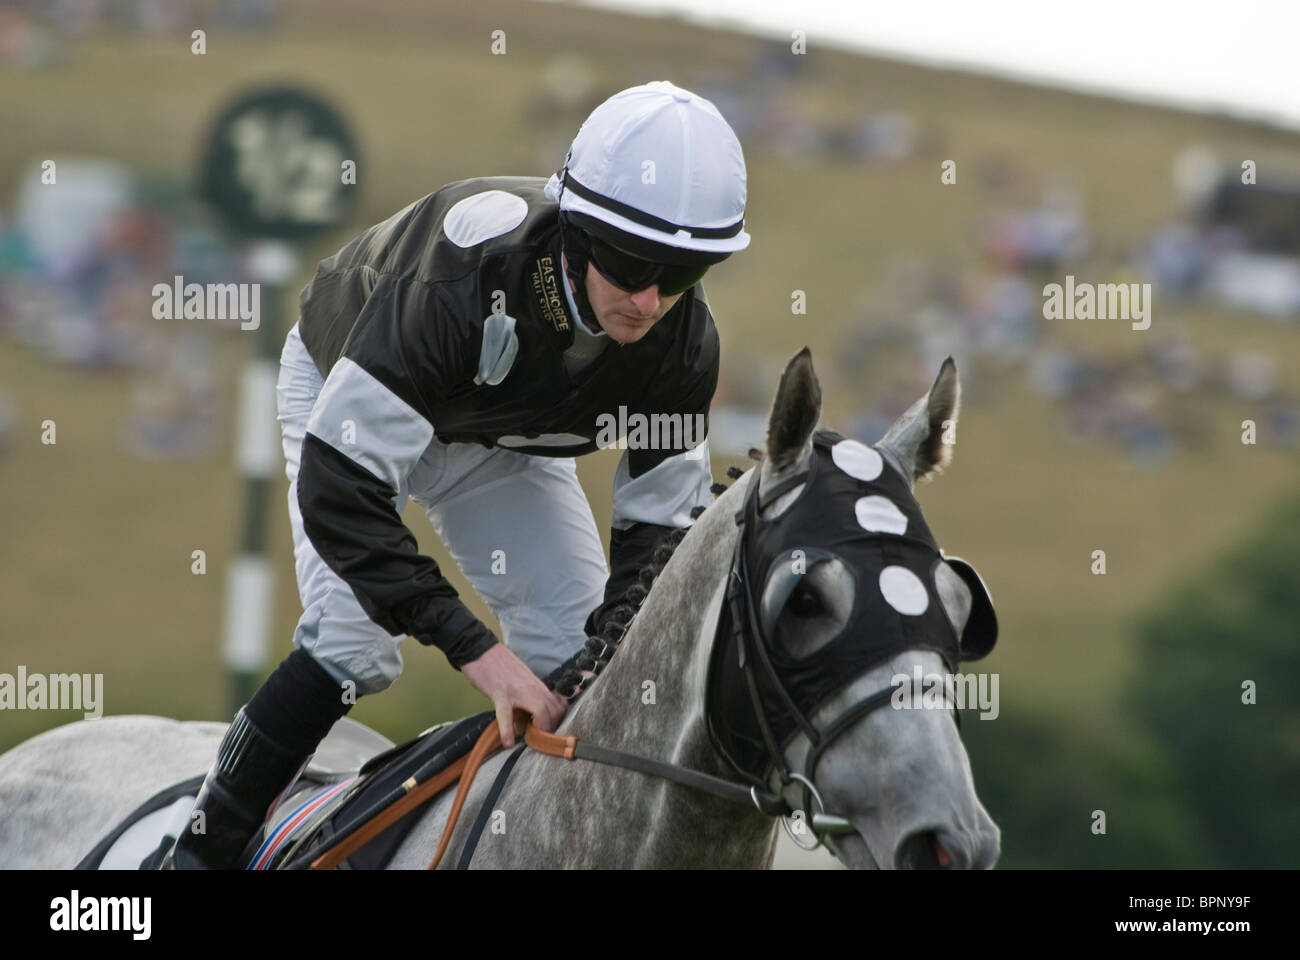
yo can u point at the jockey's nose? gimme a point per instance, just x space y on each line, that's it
647 300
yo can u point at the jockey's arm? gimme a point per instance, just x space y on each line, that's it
368 430
646 507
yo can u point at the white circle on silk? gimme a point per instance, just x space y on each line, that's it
483 216
904 591
880 515
857 459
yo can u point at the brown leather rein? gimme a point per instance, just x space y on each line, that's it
551 744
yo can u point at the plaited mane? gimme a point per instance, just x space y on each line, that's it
567 679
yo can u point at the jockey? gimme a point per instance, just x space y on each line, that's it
461 354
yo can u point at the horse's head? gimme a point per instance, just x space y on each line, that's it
837 590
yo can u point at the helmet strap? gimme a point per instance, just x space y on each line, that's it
575 265
576 270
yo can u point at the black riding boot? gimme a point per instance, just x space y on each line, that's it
269 742
250 772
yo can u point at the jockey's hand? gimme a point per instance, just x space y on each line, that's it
511 686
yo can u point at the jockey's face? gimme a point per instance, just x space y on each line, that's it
625 317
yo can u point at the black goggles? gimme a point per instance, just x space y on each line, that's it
631 274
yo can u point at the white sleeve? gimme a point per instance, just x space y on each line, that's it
666 493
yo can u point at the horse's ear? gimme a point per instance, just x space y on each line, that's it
795 412
921 440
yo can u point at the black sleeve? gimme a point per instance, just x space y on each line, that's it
368 429
656 489
629 551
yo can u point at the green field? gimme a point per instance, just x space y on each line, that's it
95 564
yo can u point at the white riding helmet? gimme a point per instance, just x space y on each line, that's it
656 170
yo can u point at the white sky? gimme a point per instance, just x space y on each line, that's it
1242 56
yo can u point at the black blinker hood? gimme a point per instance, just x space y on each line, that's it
896 600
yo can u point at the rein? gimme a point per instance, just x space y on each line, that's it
571 748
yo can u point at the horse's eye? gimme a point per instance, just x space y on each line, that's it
805 603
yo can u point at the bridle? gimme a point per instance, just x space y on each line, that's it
750 639
761 695
740 630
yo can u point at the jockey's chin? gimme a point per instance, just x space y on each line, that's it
626 317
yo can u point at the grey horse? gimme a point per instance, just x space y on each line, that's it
901 778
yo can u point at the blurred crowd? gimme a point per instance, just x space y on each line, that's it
77 266
77 270
36 33
1150 393
762 102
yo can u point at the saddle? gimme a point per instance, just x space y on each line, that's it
355 775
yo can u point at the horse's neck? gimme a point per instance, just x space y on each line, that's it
651 696
650 699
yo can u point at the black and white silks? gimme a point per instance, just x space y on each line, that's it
449 320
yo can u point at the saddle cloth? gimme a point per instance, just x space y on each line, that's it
348 781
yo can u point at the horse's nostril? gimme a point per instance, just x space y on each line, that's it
923 850
941 855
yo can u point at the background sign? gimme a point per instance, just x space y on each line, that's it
273 166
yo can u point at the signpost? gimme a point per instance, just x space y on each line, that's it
279 167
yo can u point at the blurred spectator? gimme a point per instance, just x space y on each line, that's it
776 62
1134 419
252 15
173 401
1000 172
24 43
868 426
1045 237
885 136
1257 282
1251 374
733 101
1195 171
1177 259
60 226
1052 372
1177 364
1005 317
